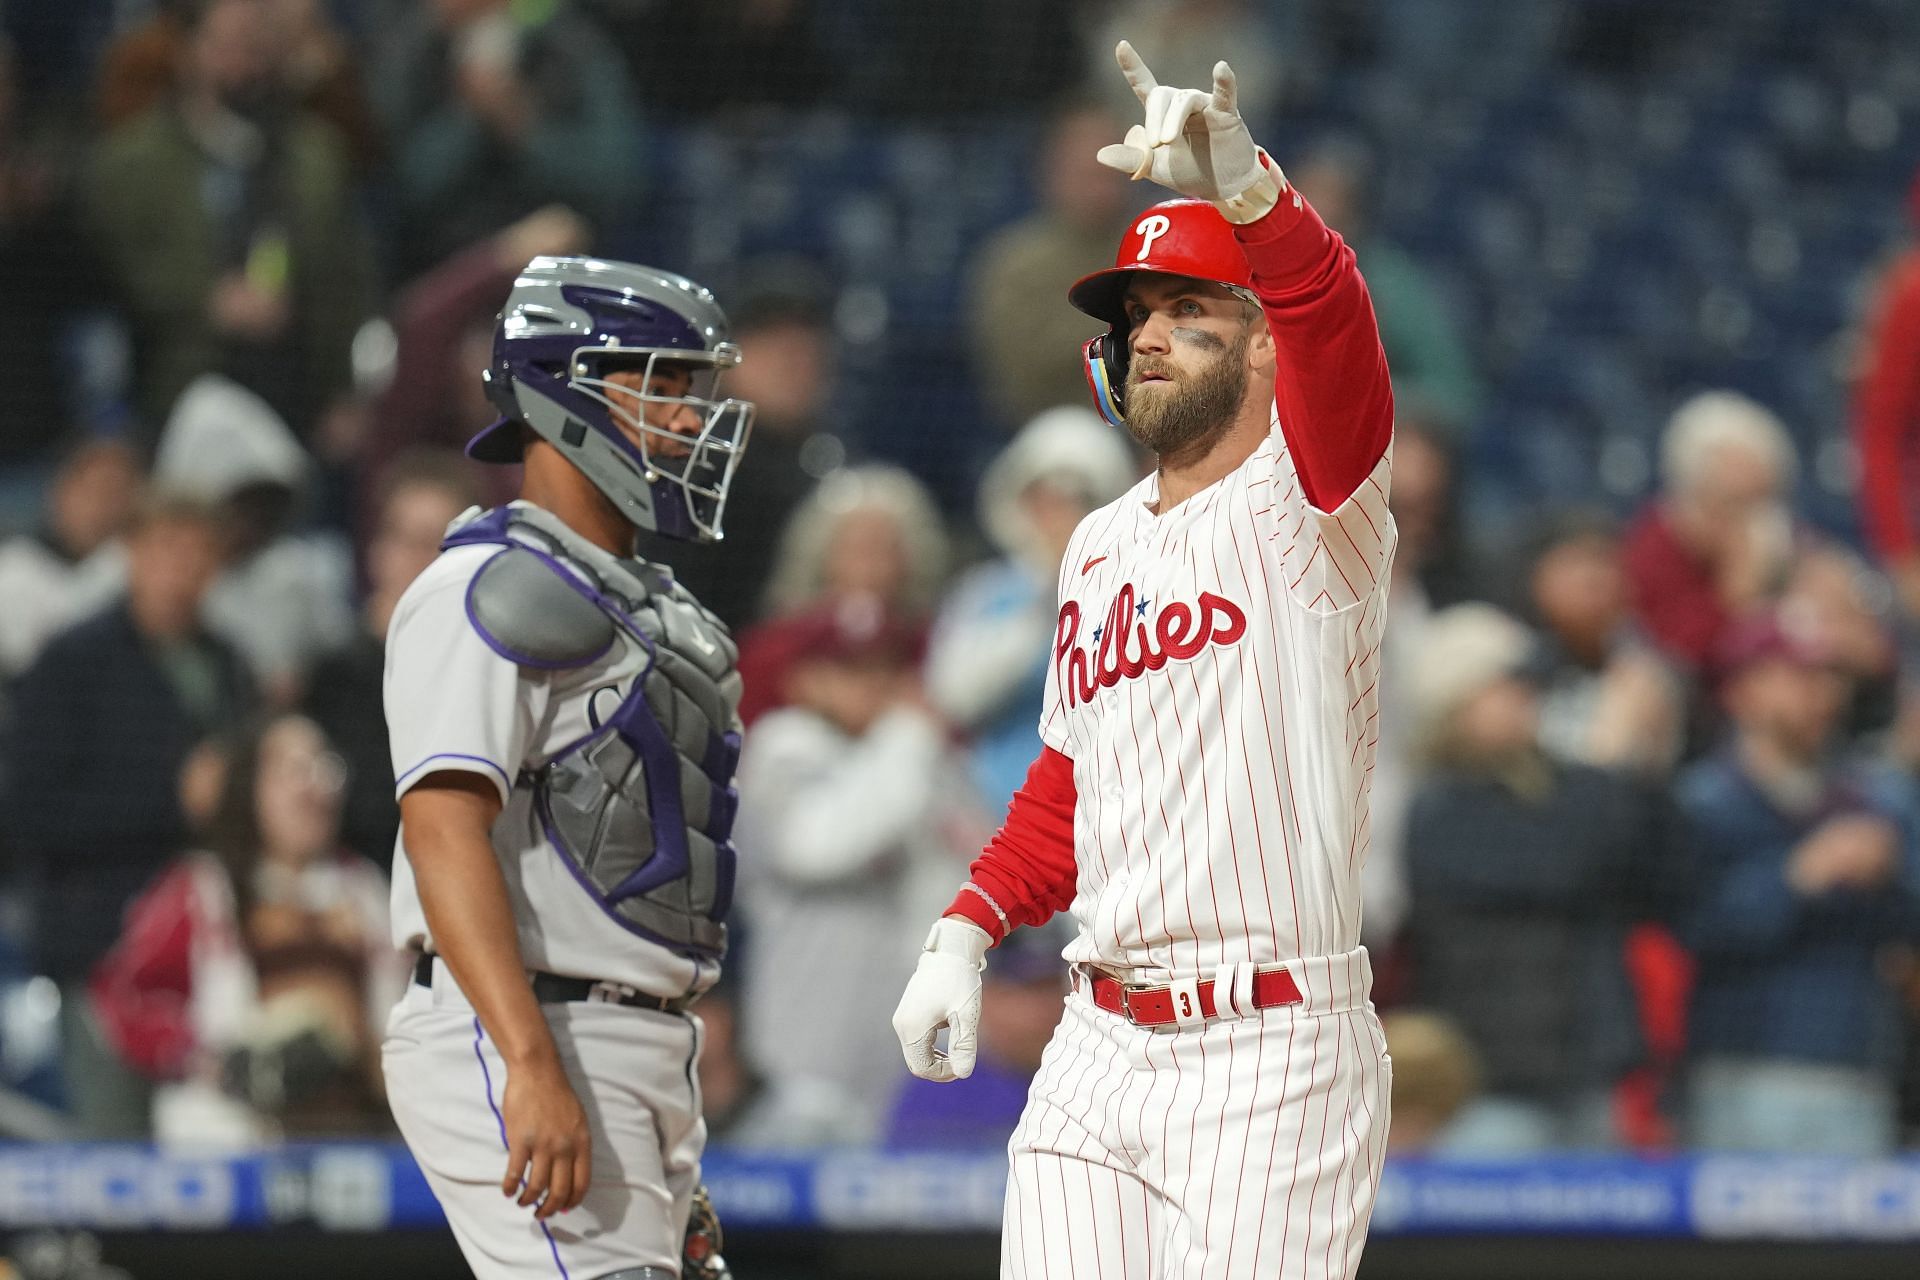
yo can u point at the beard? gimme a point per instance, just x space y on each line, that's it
1189 408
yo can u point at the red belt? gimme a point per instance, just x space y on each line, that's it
1155 1006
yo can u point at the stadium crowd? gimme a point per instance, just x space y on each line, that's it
1646 835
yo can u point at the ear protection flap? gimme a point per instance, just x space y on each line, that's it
1106 363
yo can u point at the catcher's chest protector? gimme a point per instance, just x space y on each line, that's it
642 806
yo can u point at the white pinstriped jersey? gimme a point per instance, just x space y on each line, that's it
1214 681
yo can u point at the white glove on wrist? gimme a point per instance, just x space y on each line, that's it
944 992
1195 143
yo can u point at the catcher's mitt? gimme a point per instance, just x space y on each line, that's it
702 1260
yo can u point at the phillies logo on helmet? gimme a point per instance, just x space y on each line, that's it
1127 643
1150 228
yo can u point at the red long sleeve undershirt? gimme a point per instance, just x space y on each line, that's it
1028 868
1331 390
1335 404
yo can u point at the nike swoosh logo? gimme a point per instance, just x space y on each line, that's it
1088 566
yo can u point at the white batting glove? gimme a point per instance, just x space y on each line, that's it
944 992
1195 143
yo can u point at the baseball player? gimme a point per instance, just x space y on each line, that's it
564 731
1214 1101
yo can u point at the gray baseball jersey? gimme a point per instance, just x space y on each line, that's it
600 701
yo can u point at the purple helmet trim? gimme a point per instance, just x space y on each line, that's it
499 441
625 321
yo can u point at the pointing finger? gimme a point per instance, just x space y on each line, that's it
1135 71
1226 90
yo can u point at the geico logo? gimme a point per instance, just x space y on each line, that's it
113 1188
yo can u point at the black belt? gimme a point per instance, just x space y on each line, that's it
554 988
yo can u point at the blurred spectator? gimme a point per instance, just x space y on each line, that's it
1020 1001
1886 417
1026 337
786 371
1433 373
1526 874
869 533
74 563
1608 700
1431 570
139 69
43 256
989 652
750 1109
1807 871
1435 1075
866 531
422 494
1720 539
1434 565
1182 39
497 109
284 598
847 827
1835 595
253 977
1605 699
228 219
443 341
102 724
101 727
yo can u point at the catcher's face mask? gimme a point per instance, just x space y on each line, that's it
661 444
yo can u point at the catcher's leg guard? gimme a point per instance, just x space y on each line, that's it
702 1258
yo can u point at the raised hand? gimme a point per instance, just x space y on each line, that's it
1194 142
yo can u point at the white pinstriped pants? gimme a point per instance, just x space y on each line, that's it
1246 1147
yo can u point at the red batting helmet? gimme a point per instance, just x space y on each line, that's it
1176 237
